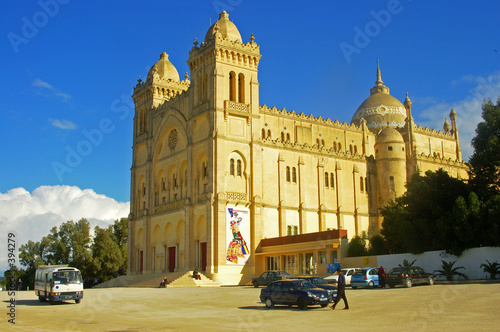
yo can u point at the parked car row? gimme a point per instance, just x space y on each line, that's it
303 291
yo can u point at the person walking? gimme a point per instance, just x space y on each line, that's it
340 291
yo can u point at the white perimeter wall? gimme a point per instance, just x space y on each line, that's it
470 259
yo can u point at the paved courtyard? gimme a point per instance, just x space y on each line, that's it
421 308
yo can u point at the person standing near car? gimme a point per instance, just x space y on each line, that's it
340 291
381 277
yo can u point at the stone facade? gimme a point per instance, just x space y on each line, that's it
214 173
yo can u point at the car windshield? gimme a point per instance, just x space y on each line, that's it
396 270
318 281
67 277
303 284
282 273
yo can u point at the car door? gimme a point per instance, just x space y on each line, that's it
374 276
276 292
289 294
419 275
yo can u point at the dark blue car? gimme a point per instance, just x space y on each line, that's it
294 292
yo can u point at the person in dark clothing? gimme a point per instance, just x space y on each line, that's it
381 277
340 290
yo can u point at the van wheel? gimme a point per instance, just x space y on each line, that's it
354 287
78 301
51 300
302 304
41 298
255 284
408 283
392 285
431 281
269 303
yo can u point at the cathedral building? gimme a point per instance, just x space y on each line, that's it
232 188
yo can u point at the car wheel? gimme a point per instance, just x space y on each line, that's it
354 287
431 281
78 301
408 283
371 284
323 305
255 284
302 304
269 303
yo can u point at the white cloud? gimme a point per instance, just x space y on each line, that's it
48 90
41 84
30 216
63 124
468 109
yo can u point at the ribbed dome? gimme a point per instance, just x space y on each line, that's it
225 27
164 68
380 109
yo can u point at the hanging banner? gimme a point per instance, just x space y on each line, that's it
237 235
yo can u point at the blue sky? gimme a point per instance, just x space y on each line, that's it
69 68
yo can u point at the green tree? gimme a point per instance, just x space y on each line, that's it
485 161
357 247
107 256
492 268
449 271
377 245
420 219
120 237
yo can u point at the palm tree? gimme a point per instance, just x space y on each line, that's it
449 271
492 268
407 263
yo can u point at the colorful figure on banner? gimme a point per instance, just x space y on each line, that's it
237 247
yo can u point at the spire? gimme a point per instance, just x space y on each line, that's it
379 76
379 84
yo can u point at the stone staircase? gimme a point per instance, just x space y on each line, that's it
175 280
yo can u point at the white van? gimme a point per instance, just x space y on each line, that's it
58 283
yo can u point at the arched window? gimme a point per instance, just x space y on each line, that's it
335 146
361 184
232 86
205 88
204 170
332 182
288 137
322 142
241 88
392 187
326 179
366 184
355 149
350 149
263 133
294 175
282 137
238 167
287 174
340 147
317 141
231 167
269 133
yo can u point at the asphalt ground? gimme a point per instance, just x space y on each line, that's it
457 307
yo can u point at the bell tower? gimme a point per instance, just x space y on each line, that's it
224 70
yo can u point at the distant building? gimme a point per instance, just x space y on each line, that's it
225 185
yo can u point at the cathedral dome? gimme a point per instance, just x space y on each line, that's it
389 135
225 27
163 69
380 109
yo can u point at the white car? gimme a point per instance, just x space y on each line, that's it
348 272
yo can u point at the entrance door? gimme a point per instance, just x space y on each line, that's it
203 256
171 259
141 261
